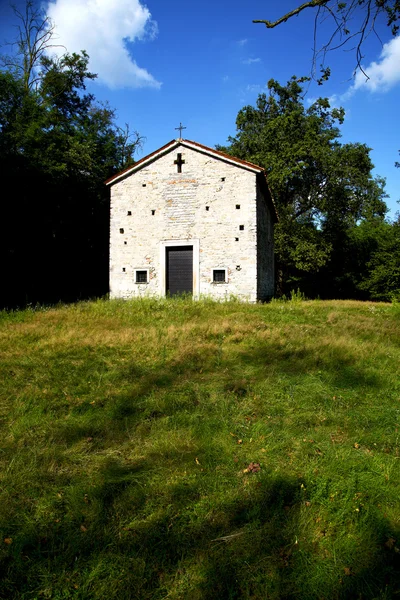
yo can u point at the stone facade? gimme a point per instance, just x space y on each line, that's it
217 205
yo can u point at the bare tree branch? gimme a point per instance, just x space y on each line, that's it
35 37
292 13
130 142
352 20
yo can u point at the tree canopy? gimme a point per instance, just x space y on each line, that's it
322 188
57 146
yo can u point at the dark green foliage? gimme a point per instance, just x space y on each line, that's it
382 280
57 146
323 189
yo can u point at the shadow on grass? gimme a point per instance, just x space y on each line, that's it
152 527
154 393
340 366
112 543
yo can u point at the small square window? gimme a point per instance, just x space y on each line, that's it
237 206
121 230
207 208
125 243
236 239
222 178
219 275
141 276
153 212
123 270
143 185
129 213
241 227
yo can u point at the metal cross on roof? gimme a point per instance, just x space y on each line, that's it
180 130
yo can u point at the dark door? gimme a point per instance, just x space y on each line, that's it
180 270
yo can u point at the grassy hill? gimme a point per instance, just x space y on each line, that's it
199 450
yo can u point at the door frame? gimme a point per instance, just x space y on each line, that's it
196 263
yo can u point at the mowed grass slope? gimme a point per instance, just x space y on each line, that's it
199 450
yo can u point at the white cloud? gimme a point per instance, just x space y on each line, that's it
383 74
254 88
334 100
251 90
242 42
104 28
250 61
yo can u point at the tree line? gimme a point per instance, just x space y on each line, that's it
58 145
333 239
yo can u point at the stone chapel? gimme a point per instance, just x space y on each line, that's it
190 219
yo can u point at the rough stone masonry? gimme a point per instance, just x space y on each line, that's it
186 195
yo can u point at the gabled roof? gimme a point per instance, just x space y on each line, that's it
259 171
188 144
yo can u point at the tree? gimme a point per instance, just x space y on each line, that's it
35 38
322 188
382 278
57 145
352 21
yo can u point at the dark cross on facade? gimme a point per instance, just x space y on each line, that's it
179 162
180 130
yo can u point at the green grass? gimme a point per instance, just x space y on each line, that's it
127 429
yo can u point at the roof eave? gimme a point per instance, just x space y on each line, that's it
142 162
188 144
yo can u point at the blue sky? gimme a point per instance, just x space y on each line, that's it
200 61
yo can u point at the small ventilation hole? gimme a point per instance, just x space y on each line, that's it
121 230
123 269
130 213
143 185
241 227
222 178
207 208
236 239
153 212
237 206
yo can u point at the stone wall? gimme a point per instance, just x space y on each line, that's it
209 202
265 246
